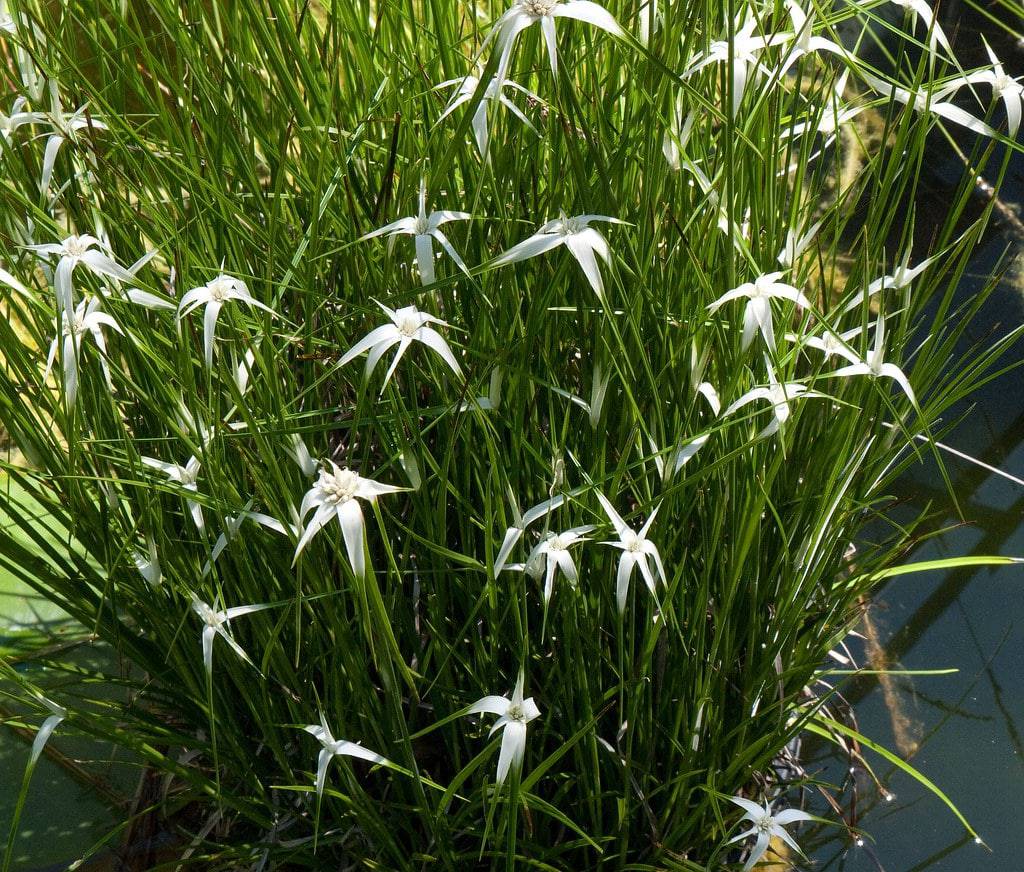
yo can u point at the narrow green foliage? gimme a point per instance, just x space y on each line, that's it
710 464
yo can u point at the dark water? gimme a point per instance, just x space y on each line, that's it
76 794
964 731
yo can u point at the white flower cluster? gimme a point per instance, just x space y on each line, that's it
337 492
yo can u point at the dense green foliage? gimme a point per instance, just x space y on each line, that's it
262 140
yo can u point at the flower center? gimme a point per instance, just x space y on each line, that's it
74 247
558 543
209 616
901 277
764 824
408 324
515 713
539 7
572 225
829 121
831 343
632 542
218 289
760 286
340 486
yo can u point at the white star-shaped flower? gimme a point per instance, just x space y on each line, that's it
493 92
232 527
336 494
66 127
425 229
187 476
513 716
922 101
527 12
758 313
79 249
779 394
1004 87
875 365
408 325
18 117
215 622
636 550
553 551
337 748
86 321
764 825
743 49
576 234
214 294
522 521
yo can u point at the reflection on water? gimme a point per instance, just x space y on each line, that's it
964 731
80 786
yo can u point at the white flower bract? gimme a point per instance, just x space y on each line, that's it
332 748
408 325
513 716
18 117
214 294
920 10
576 234
336 494
232 527
57 714
743 49
148 563
424 228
